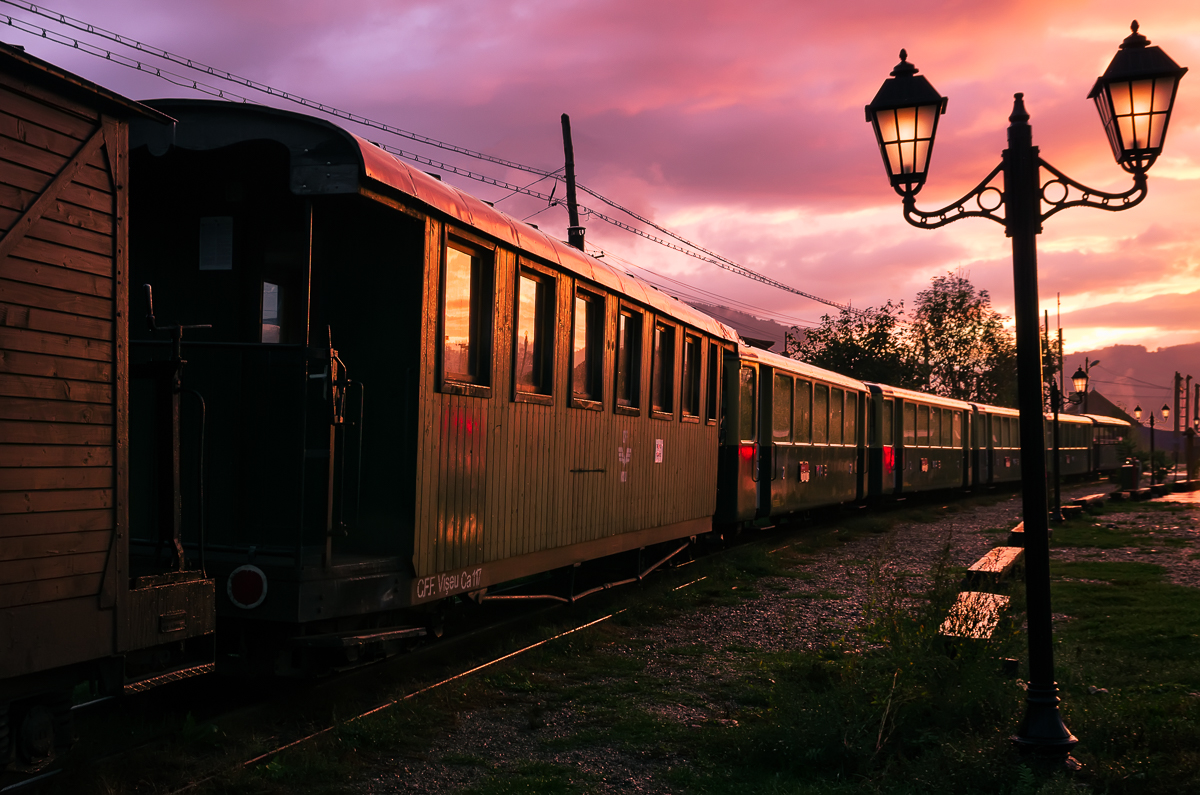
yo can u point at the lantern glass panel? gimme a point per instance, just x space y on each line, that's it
1135 114
907 135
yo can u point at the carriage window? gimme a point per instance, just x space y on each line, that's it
851 418
997 433
216 243
629 358
748 398
836 397
588 346
714 376
662 378
534 338
935 427
956 435
888 421
820 418
922 426
803 411
466 317
690 384
781 414
910 424
272 322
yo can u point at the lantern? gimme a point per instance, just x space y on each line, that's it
1135 96
1080 380
905 114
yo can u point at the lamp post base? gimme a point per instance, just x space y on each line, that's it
1042 731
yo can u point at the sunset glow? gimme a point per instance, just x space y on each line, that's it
740 126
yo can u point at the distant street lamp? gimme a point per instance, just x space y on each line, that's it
1135 96
1137 415
1084 370
1079 381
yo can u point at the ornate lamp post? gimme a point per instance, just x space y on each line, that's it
1085 369
1134 96
1079 381
1137 415
1191 448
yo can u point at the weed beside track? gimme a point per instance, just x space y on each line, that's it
809 663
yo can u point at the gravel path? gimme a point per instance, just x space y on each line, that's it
516 731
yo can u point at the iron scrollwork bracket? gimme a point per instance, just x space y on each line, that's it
1057 193
987 199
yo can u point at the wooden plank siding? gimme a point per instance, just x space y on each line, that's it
62 365
500 478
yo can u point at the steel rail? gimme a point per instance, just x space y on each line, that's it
393 702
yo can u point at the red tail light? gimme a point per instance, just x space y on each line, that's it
746 451
247 586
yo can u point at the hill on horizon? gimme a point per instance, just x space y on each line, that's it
1129 375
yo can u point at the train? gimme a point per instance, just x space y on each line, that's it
272 398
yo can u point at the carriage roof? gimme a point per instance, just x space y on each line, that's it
326 159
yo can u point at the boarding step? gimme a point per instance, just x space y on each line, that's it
974 615
166 678
345 640
995 567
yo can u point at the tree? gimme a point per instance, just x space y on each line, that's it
963 348
865 344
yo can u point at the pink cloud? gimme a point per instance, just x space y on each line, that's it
754 107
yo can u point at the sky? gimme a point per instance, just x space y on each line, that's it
738 125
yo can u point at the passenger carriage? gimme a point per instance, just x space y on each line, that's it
410 396
919 442
996 445
793 438
1107 433
1074 445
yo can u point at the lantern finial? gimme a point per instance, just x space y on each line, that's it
1135 39
904 68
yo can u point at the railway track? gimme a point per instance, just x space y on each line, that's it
141 743
256 721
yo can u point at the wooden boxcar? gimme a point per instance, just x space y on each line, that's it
919 442
410 396
794 437
72 606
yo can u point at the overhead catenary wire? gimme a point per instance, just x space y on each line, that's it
692 249
700 293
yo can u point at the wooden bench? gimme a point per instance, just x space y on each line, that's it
995 567
974 615
1092 502
1072 511
1143 493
